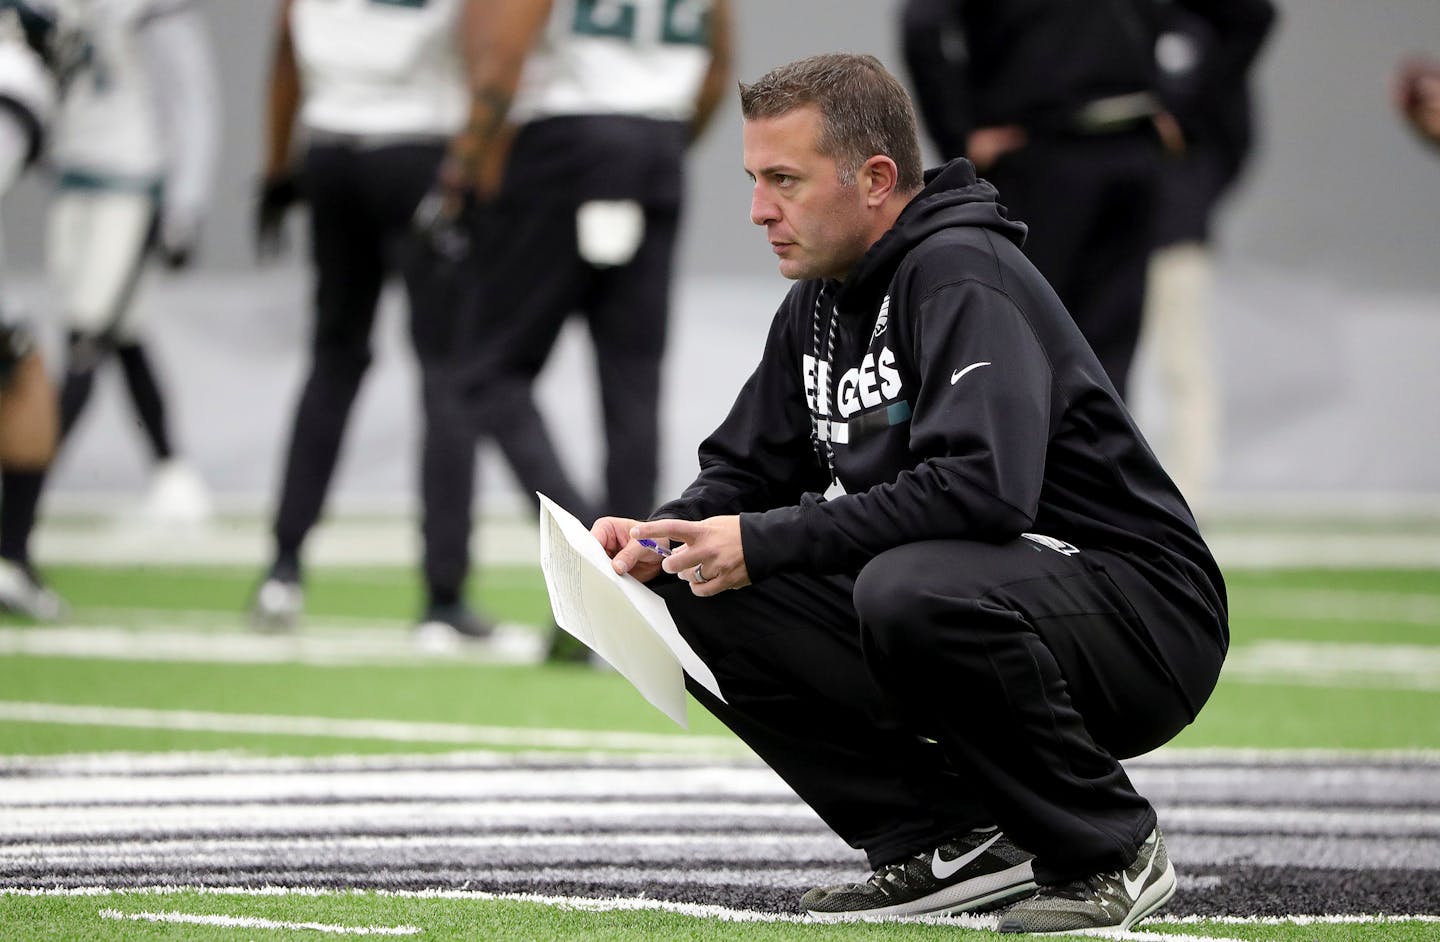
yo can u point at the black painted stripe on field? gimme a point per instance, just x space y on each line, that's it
1227 866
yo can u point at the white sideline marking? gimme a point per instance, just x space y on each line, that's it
511 644
702 910
252 922
1344 605
1338 919
72 715
1336 664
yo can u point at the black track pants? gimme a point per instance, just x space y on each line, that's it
952 684
361 201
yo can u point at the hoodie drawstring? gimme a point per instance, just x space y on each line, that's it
819 404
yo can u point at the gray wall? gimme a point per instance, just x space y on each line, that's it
1338 188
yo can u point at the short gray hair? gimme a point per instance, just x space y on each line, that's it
864 111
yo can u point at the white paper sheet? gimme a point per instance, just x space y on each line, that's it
616 616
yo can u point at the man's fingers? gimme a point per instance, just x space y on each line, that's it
676 531
630 554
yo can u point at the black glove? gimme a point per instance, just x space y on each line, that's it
442 224
277 195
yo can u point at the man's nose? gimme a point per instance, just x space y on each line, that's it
763 210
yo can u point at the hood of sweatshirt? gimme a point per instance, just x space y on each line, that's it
953 196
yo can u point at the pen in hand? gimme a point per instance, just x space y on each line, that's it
654 547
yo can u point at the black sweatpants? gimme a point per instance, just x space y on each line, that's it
951 685
535 280
1089 204
361 203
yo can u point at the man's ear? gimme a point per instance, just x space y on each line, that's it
879 176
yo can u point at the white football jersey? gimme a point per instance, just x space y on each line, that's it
40 43
380 67
108 123
630 57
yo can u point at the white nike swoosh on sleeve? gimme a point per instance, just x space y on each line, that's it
955 376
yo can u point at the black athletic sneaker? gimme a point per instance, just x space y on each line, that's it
564 648
446 627
979 870
1118 899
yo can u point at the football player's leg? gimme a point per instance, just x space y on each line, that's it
96 250
529 284
147 397
629 322
347 253
27 442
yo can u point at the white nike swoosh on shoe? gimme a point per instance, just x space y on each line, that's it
944 869
955 376
1133 889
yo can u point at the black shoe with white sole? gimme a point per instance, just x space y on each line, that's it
1106 900
979 870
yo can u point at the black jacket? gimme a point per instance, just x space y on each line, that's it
971 408
1038 63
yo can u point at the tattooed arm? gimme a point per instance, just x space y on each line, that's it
495 36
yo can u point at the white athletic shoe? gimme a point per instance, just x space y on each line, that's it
278 605
22 593
177 495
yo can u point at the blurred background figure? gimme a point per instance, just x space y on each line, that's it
378 89
1207 127
1417 96
1055 103
33 45
605 99
29 427
134 149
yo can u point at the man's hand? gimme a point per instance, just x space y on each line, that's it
278 192
178 236
626 555
712 559
987 145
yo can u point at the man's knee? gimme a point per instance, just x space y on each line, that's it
896 605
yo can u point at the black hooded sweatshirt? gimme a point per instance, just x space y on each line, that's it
961 403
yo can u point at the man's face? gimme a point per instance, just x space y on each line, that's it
817 226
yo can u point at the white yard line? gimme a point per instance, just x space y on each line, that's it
252 922
1336 664
1344 605
391 730
701 910
511 644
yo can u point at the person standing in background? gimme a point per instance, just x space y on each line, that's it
1054 102
379 90
1204 86
35 46
134 149
604 100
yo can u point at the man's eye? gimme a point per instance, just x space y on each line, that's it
783 179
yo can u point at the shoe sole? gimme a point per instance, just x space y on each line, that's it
1151 899
987 892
